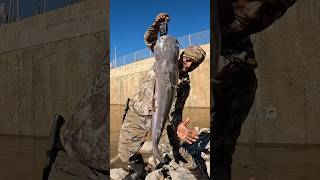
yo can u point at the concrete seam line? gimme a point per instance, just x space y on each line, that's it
46 43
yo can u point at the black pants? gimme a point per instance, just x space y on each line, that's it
234 97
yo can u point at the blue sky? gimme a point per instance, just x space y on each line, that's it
130 19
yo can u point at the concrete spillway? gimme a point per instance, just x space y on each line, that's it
46 64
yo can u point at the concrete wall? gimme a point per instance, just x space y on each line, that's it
46 64
287 107
125 80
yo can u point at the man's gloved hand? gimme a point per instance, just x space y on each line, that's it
161 18
186 134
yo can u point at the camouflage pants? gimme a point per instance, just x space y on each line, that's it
133 133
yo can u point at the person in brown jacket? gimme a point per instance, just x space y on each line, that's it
137 122
236 83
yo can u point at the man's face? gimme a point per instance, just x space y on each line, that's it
187 65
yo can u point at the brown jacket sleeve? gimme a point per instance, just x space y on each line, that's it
151 35
255 16
272 10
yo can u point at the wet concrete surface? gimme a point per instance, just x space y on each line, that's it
22 157
276 163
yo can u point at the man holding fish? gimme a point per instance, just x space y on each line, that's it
149 100
235 88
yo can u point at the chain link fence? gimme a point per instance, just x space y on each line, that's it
198 38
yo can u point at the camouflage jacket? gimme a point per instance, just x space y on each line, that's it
85 134
143 102
151 35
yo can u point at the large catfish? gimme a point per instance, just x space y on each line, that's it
166 53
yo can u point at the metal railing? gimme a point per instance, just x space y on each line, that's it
198 38
10 10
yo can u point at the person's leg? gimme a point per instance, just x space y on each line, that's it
220 165
239 110
132 136
235 97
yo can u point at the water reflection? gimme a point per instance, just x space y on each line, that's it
276 163
24 157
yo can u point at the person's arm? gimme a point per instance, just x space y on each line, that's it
226 15
151 35
183 92
273 11
180 126
255 16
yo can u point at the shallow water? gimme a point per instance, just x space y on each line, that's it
24 157
276 163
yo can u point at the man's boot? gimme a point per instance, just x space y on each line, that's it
137 164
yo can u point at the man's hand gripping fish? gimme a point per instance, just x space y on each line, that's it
166 53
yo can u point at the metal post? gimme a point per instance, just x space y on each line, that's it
115 55
135 56
18 10
44 6
189 37
9 13
13 12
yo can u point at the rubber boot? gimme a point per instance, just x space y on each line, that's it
137 164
